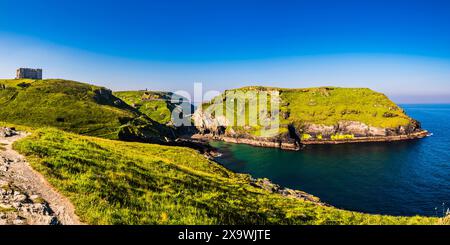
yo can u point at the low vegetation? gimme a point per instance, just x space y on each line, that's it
113 182
75 127
329 105
155 105
321 106
76 107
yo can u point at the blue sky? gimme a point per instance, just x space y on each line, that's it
398 47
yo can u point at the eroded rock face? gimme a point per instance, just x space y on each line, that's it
316 129
210 127
350 127
7 132
374 131
358 129
103 94
343 130
205 123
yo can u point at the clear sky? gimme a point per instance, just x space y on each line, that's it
398 47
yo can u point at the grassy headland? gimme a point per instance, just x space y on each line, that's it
328 108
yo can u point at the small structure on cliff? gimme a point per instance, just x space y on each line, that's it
28 73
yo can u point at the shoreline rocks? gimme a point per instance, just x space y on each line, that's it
294 136
292 145
266 184
368 139
268 143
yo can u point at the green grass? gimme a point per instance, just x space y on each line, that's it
112 182
7 210
73 106
330 105
324 106
155 105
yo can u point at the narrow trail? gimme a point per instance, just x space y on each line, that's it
25 195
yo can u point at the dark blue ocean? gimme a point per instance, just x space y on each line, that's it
398 178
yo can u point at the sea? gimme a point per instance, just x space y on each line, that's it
395 178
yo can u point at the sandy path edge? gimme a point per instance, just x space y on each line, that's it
25 177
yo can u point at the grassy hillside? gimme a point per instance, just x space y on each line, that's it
112 182
75 107
155 105
326 106
330 105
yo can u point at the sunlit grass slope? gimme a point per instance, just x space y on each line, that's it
321 106
112 182
73 106
329 105
154 104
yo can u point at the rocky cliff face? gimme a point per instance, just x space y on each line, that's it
296 136
206 124
356 129
215 128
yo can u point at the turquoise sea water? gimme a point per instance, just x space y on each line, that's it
398 178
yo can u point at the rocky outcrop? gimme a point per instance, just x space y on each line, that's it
214 128
284 143
19 208
7 132
206 124
357 129
266 184
294 136
389 138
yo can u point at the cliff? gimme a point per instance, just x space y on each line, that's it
325 115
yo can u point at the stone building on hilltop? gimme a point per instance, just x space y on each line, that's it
29 73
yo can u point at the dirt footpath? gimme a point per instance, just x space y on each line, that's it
25 196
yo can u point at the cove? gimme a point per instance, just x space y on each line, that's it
397 178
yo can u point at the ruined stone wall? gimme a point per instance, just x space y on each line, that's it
29 73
